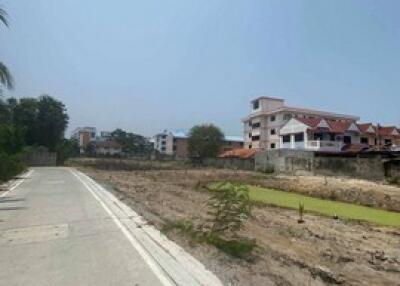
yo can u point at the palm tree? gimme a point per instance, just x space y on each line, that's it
5 75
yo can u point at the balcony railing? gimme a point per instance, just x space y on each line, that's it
315 145
324 145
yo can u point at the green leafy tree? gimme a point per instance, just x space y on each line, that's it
67 148
131 143
52 120
205 141
25 114
229 207
5 112
5 75
11 139
90 149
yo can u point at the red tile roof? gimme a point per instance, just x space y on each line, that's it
383 130
387 131
334 126
239 153
108 144
312 122
338 126
355 148
364 127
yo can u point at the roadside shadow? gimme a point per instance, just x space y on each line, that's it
10 200
12 208
21 178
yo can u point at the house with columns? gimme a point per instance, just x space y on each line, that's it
273 125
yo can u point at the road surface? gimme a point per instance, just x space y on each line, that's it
57 227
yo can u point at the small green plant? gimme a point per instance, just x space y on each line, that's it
301 211
229 207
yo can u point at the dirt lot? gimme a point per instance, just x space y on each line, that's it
322 251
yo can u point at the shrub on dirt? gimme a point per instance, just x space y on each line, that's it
229 207
10 165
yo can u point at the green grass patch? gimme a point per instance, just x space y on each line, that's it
322 206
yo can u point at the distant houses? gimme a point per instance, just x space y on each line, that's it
84 136
273 125
175 143
270 125
89 142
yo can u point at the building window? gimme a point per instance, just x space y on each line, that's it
272 145
256 125
388 141
364 140
256 105
255 138
250 135
332 136
250 146
250 123
347 139
273 131
272 118
318 136
174 148
163 148
287 116
299 137
286 138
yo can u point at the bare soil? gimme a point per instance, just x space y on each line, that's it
321 251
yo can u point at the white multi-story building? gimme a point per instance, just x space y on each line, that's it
268 115
175 143
84 135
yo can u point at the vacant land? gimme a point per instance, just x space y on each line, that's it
321 251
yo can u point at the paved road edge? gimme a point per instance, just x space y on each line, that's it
171 263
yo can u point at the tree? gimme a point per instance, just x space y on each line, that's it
131 143
25 114
5 75
52 120
3 17
11 139
229 208
67 148
205 141
5 112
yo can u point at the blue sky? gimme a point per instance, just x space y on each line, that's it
150 65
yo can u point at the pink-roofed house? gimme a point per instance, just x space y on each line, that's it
262 127
318 134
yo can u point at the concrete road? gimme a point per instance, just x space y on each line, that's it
53 231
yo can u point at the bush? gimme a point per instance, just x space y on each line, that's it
229 207
237 248
10 165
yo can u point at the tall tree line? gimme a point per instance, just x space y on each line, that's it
39 121
30 122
